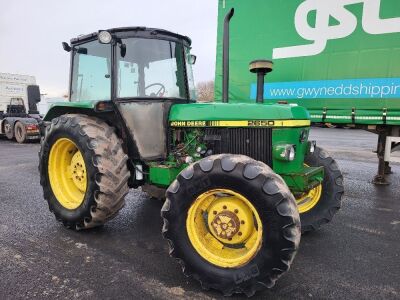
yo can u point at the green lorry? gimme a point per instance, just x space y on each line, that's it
340 59
238 178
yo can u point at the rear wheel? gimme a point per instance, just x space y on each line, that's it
318 206
83 171
232 223
20 132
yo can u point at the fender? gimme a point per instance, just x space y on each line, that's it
89 108
62 108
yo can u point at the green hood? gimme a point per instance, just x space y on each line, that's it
236 111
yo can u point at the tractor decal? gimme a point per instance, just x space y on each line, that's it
244 123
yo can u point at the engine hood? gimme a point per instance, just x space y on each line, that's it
236 112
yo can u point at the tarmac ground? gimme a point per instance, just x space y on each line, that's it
356 256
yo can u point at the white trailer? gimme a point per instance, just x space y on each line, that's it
19 117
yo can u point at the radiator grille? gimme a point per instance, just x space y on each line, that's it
253 142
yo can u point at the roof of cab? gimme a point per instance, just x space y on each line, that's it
143 30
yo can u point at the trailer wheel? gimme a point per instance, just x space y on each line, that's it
8 130
83 171
318 206
20 132
232 223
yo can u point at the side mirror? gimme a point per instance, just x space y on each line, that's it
66 47
192 59
123 50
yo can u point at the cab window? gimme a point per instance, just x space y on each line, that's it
91 73
151 68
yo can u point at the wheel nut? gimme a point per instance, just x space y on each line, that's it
242 222
214 212
236 211
224 207
239 233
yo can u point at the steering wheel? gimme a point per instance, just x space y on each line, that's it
160 92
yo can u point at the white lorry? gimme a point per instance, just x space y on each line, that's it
19 117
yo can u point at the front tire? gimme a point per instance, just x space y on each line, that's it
232 223
83 171
320 205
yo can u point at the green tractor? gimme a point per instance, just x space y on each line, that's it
237 178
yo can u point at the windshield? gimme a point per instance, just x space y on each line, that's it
146 68
151 68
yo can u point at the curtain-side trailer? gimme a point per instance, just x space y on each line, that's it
340 59
19 117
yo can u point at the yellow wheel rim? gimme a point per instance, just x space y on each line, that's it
224 228
67 173
307 201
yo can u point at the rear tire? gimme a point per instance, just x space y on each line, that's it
272 204
20 132
106 170
330 200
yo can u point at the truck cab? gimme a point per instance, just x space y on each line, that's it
19 117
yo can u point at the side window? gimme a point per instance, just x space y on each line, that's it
128 79
91 72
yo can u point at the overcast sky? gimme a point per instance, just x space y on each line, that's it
31 32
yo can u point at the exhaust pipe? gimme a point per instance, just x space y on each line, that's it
225 57
261 67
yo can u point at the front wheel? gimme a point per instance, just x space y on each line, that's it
318 206
232 223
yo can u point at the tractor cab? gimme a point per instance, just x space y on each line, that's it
142 71
131 63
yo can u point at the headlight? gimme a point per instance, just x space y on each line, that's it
285 152
303 135
312 146
104 37
290 153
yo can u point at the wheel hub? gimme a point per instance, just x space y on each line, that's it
78 171
230 220
225 225
224 228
